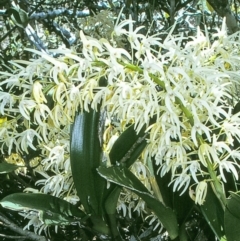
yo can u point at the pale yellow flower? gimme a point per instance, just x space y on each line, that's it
25 139
37 93
200 193
25 107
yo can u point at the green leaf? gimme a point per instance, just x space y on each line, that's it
99 225
165 189
128 147
123 177
111 208
182 206
7 167
85 157
24 17
50 218
213 213
125 151
231 226
59 210
232 218
233 204
183 233
19 16
236 108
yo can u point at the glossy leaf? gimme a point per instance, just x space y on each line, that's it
232 218
236 108
125 151
111 208
58 209
213 213
7 167
165 189
85 157
125 178
50 218
231 226
99 225
128 147
233 204
182 233
19 16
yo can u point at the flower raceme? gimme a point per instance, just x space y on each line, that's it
187 90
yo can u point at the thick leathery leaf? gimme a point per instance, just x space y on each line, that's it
85 157
182 233
182 205
213 213
111 201
232 218
233 204
50 218
123 177
231 226
99 225
19 16
125 151
162 182
128 147
236 108
111 208
7 167
136 151
43 202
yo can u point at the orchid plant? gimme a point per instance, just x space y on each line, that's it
111 126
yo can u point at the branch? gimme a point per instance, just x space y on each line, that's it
12 237
59 12
34 39
15 228
172 11
222 8
181 5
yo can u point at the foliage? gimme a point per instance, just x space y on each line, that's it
132 135
47 25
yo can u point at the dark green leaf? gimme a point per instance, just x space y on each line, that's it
99 225
182 233
111 208
231 226
19 16
233 204
7 167
232 218
213 213
128 147
125 151
123 177
165 189
236 108
24 17
50 218
85 157
50 206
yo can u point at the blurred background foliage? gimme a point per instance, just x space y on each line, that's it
46 25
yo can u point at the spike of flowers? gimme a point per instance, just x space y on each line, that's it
187 89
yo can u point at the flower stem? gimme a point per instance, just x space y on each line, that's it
216 185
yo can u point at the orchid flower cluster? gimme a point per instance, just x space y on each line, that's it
187 90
